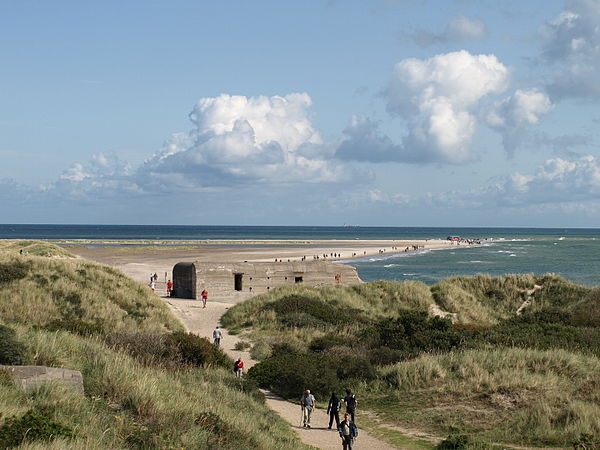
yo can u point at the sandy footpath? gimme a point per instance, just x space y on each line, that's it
203 321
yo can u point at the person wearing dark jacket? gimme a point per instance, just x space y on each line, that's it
333 409
351 403
348 432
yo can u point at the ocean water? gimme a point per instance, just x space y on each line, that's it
572 253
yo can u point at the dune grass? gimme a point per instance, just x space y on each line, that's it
65 311
127 404
55 290
523 396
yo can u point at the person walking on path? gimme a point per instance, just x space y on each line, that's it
204 296
217 334
169 288
333 409
307 403
351 403
239 368
348 432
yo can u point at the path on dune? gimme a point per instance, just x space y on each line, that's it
202 321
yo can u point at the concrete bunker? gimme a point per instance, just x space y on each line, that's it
184 280
232 279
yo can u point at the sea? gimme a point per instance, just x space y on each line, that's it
573 253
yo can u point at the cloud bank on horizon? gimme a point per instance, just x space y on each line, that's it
244 152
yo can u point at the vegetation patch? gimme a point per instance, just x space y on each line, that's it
12 351
31 426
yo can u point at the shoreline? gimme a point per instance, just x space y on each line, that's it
143 258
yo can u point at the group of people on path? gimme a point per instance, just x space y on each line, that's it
346 428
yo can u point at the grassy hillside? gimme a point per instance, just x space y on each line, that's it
491 376
147 384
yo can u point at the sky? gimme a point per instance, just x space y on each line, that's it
322 112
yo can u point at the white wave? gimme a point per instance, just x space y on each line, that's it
512 254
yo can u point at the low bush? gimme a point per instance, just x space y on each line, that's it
260 350
12 351
242 346
196 350
12 271
383 356
290 375
298 307
413 333
323 343
32 426
174 350
587 313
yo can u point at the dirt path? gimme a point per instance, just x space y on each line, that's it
203 321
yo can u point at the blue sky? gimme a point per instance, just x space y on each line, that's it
381 112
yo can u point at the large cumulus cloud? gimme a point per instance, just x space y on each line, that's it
243 140
437 99
572 47
513 116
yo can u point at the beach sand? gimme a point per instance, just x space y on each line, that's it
139 261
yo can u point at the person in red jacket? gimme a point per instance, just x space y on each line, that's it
169 288
239 368
204 296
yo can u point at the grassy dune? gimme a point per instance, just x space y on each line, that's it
69 313
525 396
493 376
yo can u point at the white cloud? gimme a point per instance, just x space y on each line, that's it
436 97
241 140
515 114
572 46
459 29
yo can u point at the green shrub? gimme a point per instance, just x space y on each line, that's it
454 442
587 313
196 350
323 343
32 426
299 319
292 307
172 350
242 346
260 350
412 333
13 271
290 375
384 356
12 351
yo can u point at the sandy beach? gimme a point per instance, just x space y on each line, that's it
140 259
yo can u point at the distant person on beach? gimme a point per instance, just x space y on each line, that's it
351 403
169 288
333 409
155 276
307 403
239 368
348 432
204 296
217 334
152 286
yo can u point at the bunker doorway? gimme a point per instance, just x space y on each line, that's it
237 281
184 280
298 280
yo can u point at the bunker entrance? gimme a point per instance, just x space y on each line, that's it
237 281
184 280
298 280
